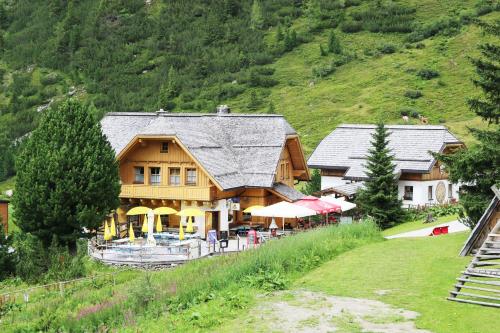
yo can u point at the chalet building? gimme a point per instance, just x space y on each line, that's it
4 214
341 157
220 163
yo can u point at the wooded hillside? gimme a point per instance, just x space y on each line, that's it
319 62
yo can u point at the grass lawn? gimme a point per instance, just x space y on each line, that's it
414 274
417 225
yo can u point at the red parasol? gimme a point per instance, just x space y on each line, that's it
319 206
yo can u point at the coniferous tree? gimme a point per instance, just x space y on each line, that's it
67 176
322 51
334 44
6 257
314 185
379 199
256 16
478 167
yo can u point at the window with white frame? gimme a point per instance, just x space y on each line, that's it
450 191
408 194
429 193
190 176
175 176
139 175
155 178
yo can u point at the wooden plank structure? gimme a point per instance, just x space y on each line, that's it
480 282
4 214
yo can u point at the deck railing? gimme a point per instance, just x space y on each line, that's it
163 191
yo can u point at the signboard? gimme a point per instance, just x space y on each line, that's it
235 206
212 236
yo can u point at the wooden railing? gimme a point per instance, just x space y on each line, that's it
166 192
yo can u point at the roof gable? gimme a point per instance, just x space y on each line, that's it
347 147
236 150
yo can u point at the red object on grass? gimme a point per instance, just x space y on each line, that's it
319 206
439 231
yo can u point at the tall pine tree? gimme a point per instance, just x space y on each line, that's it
67 176
478 168
379 199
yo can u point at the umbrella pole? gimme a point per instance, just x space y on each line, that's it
283 225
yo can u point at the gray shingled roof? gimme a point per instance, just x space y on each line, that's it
346 189
237 150
347 147
288 192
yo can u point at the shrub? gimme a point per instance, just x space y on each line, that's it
444 25
413 94
427 74
387 48
351 26
415 114
51 78
322 71
420 46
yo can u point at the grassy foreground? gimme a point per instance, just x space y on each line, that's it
199 295
414 274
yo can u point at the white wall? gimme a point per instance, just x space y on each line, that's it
420 196
199 221
420 191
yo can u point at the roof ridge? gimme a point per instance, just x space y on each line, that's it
396 126
194 114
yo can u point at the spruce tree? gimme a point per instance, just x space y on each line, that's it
379 199
256 16
6 257
67 176
334 44
478 167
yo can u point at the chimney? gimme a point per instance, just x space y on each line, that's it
161 112
223 109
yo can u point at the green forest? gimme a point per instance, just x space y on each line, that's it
255 55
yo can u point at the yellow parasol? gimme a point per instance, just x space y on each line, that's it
145 224
189 227
190 212
252 208
107 233
131 235
181 232
164 211
159 227
113 226
138 210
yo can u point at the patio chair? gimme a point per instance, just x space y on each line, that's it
439 231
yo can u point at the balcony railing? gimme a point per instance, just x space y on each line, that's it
166 192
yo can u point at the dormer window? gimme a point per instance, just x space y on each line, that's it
164 148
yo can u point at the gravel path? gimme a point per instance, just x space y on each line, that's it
454 226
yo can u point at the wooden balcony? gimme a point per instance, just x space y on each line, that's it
167 192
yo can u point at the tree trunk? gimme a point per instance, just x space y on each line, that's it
72 248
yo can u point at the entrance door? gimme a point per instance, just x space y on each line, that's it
211 222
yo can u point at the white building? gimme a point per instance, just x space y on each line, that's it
341 157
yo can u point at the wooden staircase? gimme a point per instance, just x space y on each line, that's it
480 282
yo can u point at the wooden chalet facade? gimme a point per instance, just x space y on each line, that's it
219 163
341 157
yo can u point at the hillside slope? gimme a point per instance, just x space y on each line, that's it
256 56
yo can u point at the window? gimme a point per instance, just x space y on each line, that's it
282 166
287 170
175 176
429 193
139 175
155 176
164 147
190 176
247 217
408 195
450 191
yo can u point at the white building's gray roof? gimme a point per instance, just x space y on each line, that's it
347 146
237 150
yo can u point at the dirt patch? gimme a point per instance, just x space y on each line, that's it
305 311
